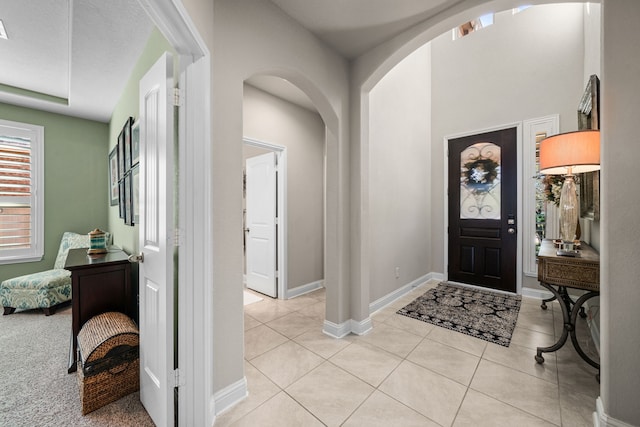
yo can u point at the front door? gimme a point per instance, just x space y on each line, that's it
155 242
261 224
482 209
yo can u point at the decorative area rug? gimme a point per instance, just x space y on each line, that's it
490 316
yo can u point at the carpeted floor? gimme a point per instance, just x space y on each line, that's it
35 388
490 316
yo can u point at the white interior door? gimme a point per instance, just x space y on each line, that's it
261 224
155 242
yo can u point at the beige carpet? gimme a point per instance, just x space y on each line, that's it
35 388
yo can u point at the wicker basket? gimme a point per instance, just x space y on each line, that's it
108 362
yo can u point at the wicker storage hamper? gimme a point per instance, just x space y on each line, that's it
108 361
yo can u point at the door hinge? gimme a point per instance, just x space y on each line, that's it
277 274
177 237
178 97
177 379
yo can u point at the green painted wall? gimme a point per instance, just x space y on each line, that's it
123 235
75 179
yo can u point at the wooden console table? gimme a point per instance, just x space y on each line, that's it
99 284
557 273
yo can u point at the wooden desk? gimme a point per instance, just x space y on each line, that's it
557 273
99 284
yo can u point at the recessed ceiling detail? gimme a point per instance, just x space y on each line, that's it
38 48
71 57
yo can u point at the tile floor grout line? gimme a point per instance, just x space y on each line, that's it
388 323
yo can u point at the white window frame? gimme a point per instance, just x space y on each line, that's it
549 125
36 134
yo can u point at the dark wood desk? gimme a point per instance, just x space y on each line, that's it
99 284
557 273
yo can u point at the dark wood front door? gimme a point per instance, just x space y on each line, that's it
482 209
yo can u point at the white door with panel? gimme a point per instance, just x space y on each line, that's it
155 242
260 229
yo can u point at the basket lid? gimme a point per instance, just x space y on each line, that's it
105 331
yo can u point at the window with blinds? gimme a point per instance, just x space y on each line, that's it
21 213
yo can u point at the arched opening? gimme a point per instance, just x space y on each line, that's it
456 115
284 158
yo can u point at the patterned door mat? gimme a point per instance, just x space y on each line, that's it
490 316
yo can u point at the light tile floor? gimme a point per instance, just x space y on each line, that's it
406 372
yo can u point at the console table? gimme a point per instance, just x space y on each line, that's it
100 283
557 273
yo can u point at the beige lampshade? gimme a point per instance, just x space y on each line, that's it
579 150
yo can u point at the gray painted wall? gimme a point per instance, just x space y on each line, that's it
524 66
620 151
400 175
270 119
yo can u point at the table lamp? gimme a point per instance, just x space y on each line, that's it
567 154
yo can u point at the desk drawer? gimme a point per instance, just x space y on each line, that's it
581 275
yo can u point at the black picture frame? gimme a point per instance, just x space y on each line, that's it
114 191
135 143
128 211
135 194
126 132
121 194
121 165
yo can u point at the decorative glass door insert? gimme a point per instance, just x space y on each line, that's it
480 181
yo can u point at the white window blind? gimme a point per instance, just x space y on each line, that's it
21 210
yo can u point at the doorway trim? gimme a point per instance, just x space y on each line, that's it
193 236
281 212
520 223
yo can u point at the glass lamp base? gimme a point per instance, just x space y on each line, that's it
568 210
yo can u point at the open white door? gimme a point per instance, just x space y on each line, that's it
261 224
155 242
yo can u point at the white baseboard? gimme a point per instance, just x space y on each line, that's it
230 395
361 327
536 293
601 419
345 328
304 289
337 331
400 292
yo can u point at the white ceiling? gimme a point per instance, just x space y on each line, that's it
82 52
352 27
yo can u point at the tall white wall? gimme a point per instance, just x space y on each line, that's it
400 189
276 121
524 66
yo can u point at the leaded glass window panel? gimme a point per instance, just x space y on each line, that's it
480 181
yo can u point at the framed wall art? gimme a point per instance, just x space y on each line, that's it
114 191
128 212
135 195
121 197
135 143
126 132
121 168
589 118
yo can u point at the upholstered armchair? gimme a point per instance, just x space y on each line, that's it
45 289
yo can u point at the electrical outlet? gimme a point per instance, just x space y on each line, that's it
397 272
